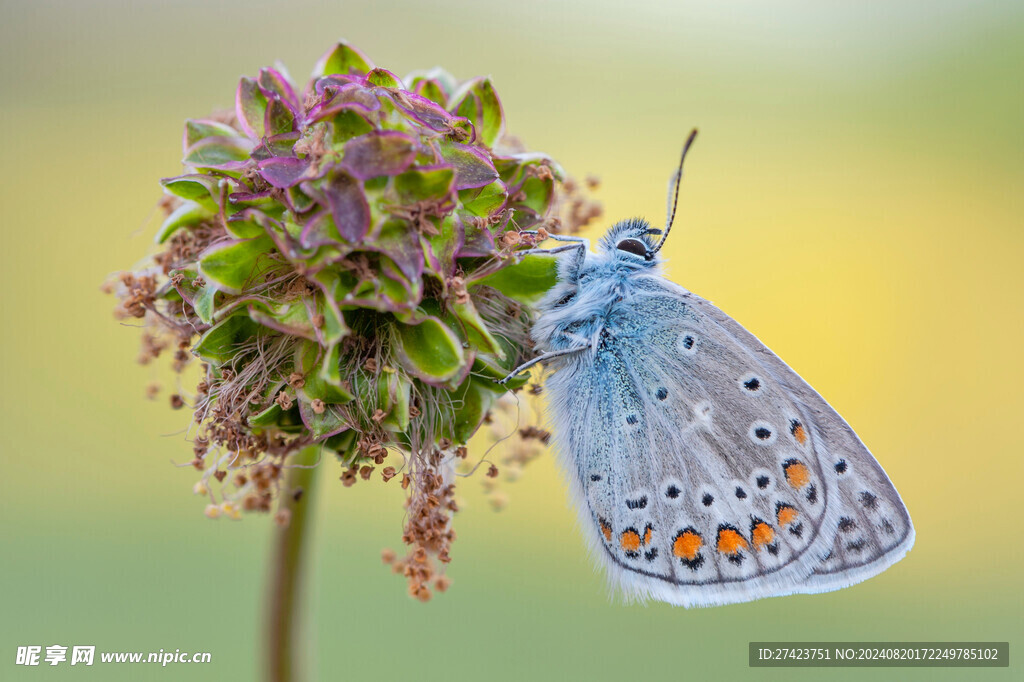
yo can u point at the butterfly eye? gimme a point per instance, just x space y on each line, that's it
634 246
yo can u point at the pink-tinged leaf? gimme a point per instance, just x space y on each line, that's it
392 273
234 264
349 208
525 217
392 239
321 85
247 229
423 111
384 79
284 172
484 201
334 327
514 168
480 237
250 107
277 145
259 217
284 242
440 250
278 120
477 243
431 89
297 201
197 129
347 96
342 59
319 230
438 80
272 82
242 197
477 101
242 200
223 153
473 167
199 187
384 152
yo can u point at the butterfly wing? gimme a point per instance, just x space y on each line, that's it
874 529
706 470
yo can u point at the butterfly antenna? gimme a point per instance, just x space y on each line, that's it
676 180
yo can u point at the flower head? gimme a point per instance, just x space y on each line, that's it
341 260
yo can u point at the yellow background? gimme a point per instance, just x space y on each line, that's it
854 199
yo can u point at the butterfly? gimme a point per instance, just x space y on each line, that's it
705 471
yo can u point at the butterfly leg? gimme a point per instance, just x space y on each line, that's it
559 237
541 358
557 249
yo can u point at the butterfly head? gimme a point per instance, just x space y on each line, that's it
632 241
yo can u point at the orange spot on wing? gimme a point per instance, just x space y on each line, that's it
797 474
762 535
606 530
800 434
687 545
786 515
730 541
630 541
647 535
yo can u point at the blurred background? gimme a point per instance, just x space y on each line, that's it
854 199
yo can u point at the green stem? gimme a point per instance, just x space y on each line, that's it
284 619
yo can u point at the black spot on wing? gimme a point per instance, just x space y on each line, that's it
694 563
856 546
638 503
868 500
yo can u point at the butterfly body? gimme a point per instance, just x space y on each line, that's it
704 469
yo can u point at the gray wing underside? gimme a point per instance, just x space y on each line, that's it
707 471
874 529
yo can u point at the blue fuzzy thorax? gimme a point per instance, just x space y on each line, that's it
592 285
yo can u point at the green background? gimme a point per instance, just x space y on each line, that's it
854 199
